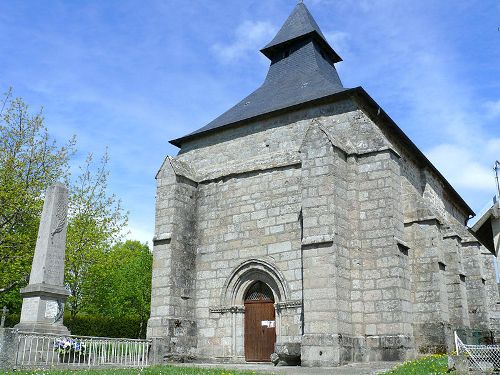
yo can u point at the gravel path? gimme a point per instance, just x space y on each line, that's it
370 368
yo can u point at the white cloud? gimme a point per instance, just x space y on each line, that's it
339 40
493 108
462 168
139 233
249 36
493 147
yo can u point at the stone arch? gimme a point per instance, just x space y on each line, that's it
244 276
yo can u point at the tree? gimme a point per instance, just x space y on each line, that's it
29 162
120 284
96 221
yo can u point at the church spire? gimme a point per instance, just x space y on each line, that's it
299 25
302 70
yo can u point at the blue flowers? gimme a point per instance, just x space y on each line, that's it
66 345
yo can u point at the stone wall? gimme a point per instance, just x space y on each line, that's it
326 260
249 216
8 348
173 283
363 246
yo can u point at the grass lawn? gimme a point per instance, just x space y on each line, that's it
431 365
155 370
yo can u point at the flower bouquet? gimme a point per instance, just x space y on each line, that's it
70 350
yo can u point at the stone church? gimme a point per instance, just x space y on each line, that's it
303 221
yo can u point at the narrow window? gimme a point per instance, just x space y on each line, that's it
442 266
403 249
462 278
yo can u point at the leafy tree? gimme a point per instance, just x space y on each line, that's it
119 285
95 222
29 161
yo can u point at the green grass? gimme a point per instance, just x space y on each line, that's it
154 370
432 365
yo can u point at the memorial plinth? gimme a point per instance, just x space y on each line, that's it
45 295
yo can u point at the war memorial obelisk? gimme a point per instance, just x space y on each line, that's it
44 297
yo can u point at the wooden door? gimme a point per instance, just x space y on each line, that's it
260 326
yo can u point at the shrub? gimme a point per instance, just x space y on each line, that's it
11 320
101 326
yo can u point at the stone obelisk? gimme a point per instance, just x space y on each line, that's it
44 297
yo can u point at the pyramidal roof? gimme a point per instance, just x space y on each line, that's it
302 69
299 24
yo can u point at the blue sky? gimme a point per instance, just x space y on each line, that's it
132 75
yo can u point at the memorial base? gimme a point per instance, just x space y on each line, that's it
43 309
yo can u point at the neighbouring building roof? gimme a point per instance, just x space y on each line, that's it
483 229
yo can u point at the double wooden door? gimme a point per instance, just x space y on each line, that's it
260 331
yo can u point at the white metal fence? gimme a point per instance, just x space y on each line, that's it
45 350
479 357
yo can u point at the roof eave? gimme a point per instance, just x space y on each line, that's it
336 96
486 217
375 111
483 232
268 50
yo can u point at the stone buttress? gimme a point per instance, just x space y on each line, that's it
311 189
172 321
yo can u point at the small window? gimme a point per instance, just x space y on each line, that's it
442 266
483 281
462 277
259 291
403 249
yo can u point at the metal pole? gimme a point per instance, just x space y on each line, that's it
496 168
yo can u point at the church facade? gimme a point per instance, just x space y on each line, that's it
303 221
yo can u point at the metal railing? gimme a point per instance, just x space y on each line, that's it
47 350
479 357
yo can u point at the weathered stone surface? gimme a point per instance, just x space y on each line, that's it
362 243
44 297
8 346
339 229
459 364
289 353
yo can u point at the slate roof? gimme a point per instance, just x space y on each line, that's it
306 76
298 25
302 69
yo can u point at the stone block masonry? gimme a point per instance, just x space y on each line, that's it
373 277
307 196
44 297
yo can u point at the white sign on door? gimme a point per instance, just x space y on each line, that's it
268 323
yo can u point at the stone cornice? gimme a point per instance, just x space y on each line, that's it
290 304
316 240
226 309
34 290
262 163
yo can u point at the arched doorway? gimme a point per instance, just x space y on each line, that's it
260 326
